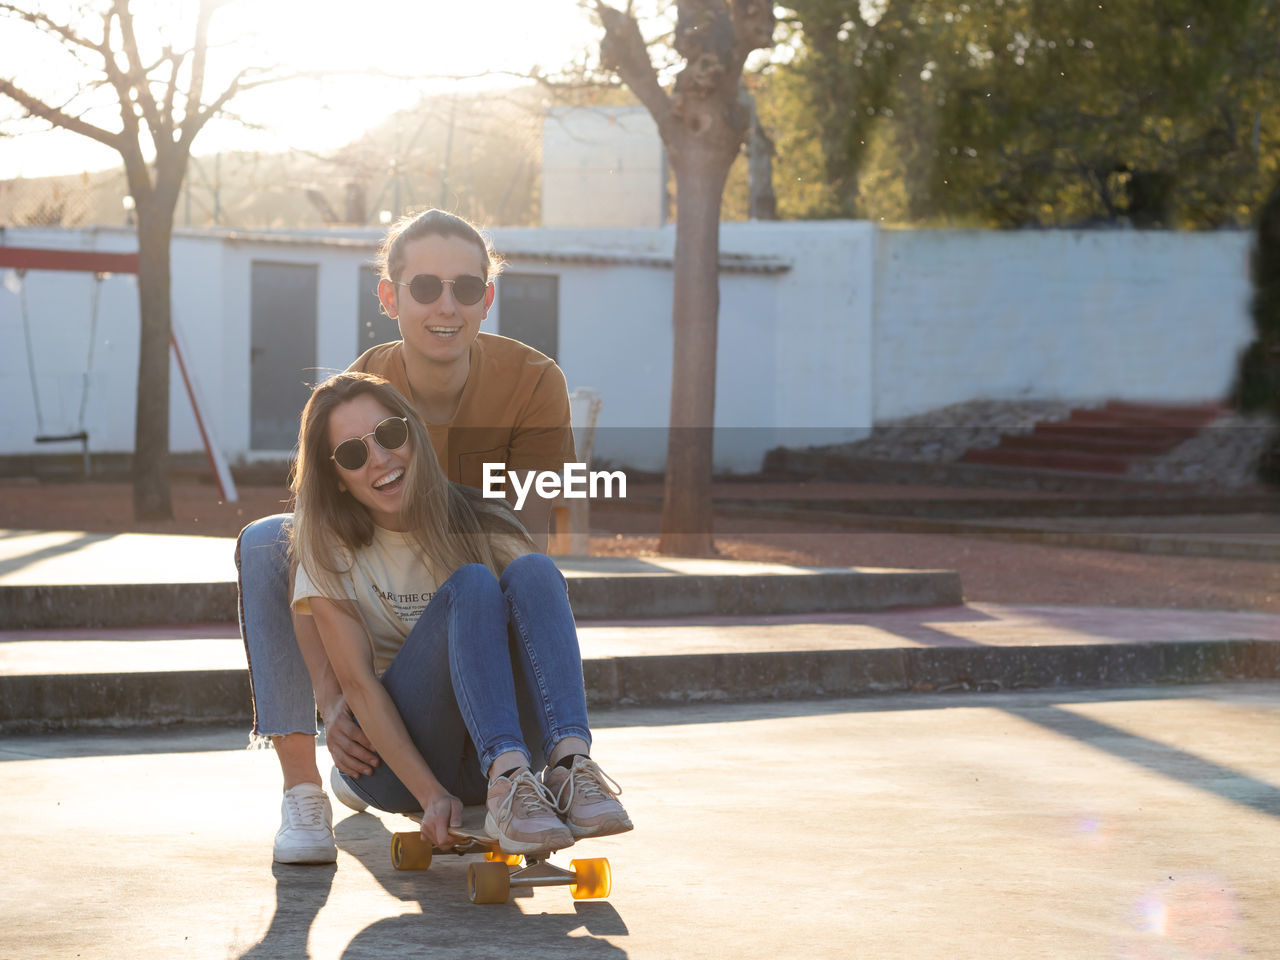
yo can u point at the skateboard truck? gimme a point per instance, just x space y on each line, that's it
492 880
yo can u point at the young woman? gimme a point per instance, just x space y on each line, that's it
482 397
452 640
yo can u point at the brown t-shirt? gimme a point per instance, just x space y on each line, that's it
514 408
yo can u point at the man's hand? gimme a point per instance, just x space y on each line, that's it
351 750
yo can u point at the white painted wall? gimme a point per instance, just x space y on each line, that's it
57 320
1074 315
602 167
780 335
866 325
337 309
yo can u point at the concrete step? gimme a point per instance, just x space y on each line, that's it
1101 441
65 579
836 466
758 590
1166 436
1197 414
1117 442
961 507
64 679
1050 460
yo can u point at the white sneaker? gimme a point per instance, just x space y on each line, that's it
306 827
342 790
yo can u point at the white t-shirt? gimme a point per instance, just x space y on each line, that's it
391 585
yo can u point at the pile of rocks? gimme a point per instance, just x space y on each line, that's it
1223 455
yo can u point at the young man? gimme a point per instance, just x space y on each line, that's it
484 399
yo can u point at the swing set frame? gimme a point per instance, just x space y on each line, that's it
99 263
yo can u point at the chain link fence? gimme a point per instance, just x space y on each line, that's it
83 199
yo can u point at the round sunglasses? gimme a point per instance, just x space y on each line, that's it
427 287
390 434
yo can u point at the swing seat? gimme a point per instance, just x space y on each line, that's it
82 437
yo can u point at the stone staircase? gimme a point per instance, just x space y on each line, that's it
103 654
1106 441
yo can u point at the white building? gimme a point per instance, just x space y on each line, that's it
825 328
602 167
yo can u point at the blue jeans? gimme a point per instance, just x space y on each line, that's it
280 686
283 701
542 652
491 666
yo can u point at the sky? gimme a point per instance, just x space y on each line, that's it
409 40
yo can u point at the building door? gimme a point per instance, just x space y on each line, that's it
375 326
529 310
282 354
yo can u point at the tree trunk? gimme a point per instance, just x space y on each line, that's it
151 494
703 122
687 511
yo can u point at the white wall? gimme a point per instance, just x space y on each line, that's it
59 308
337 308
816 330
865 325
793 348
1074 315
602 167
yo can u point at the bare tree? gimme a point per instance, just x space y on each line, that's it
163 106
703 121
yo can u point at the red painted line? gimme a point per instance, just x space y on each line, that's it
92 261
195 407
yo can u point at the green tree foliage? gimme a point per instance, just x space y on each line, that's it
1037 112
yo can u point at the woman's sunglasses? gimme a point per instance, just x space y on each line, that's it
427 287
391 434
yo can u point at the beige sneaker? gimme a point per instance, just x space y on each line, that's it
586 797
522 816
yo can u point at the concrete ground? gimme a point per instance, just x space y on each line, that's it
1125 823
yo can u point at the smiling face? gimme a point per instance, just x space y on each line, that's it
441 331
380 483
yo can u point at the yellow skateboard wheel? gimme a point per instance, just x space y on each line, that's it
593 879
488 882
510 859
410 852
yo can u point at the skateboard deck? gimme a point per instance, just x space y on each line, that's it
494 879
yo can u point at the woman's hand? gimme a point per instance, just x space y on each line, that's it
351 750
438 815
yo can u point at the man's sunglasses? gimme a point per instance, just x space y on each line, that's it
391 434
427 287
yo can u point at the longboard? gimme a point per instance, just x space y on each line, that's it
492 880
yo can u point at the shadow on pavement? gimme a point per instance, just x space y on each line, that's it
300 894
78 542
449 924
879 618
1168 761
682 714
144 741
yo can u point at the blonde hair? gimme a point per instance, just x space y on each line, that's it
450 522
